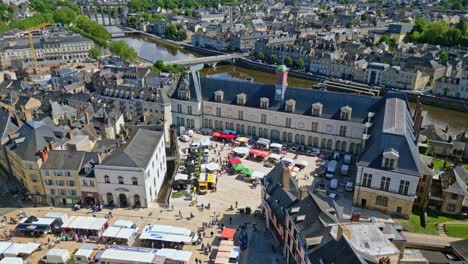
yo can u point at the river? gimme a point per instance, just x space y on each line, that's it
155 50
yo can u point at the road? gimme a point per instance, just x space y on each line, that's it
428 241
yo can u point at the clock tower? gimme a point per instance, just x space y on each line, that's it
281 82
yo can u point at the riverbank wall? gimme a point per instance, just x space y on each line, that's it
249 64
456 105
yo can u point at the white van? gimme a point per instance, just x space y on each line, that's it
344 170
56 256
83 255
347 159
331 166
333 184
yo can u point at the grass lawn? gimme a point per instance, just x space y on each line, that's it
414 223
439 164
177 194
457 230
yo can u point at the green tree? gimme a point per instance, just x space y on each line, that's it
443 55
299 63
3 27
462 26
247 22
260 56
182 35
364 17
288 61
171 31
95 52
64 15
121 49
273 59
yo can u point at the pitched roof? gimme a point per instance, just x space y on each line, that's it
68 160
332 101
138 152
336 252
392 129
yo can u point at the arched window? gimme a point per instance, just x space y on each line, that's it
290 137
352 148
337 145
285 136
302 139
316 141
297 138
136 200
330 144
121 181
309 140
135 181
106 179
324 143
110 198
343 146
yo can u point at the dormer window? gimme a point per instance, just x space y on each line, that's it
219 96
184 94
264 102
317 109
346 112
241 99
390 158
290 105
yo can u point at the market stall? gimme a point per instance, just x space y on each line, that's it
36 225
85 227
302 163
287 161
238 167
242 141
234 161
241 151
211 167
223 136
121 232
273 157
228 233
276 148
258 154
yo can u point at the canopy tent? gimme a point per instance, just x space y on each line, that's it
238 167
242 139
247 171
181 176
274 156
202 177
174 254
234 161
222 258
302 163
241 151
223 136
212 178
257 174
225 246
276 145
11 260
212 166
287 160
259 153
205 142
228 233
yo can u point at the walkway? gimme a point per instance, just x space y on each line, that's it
424 241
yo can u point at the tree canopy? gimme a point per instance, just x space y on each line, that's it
439 33
159 66
123 50
64 15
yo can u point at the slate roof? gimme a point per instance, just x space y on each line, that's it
68 160
336 252
32 137
461 246
435 133
392 129
459 178
138 152
332 101
279 200
5 123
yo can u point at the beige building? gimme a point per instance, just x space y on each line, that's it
27 150
404 79
67 176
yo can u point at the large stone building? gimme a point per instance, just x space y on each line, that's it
51 44
454 87
132 175
381 126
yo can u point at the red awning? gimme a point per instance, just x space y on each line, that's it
234 161
228 233
259 153
223 136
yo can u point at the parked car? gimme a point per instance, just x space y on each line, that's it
184 138
333 184
206 152
322 170
349 186
206 131
195 145
329 175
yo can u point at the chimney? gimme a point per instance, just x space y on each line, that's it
303 192
343 230
86 118
71 135
417 119
27 115
285 178
43 154
69 121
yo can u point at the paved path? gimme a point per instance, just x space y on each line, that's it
429 241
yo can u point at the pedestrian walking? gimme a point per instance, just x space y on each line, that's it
236 204
211 233
230 220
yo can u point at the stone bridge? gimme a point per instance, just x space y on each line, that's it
110 12
212 61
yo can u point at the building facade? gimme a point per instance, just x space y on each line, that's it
132 175
455 87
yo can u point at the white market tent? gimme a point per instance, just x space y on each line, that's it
241 150
257 174
276 145
112 255
11 260
212 166
181 176
205 142
54 215
124 223
19 249
174 254
119 232
166 233
274 156
85 223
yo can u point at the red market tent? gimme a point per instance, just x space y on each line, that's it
259 153
228 233
223 136
234 161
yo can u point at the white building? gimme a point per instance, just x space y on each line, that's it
132 175
455 87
